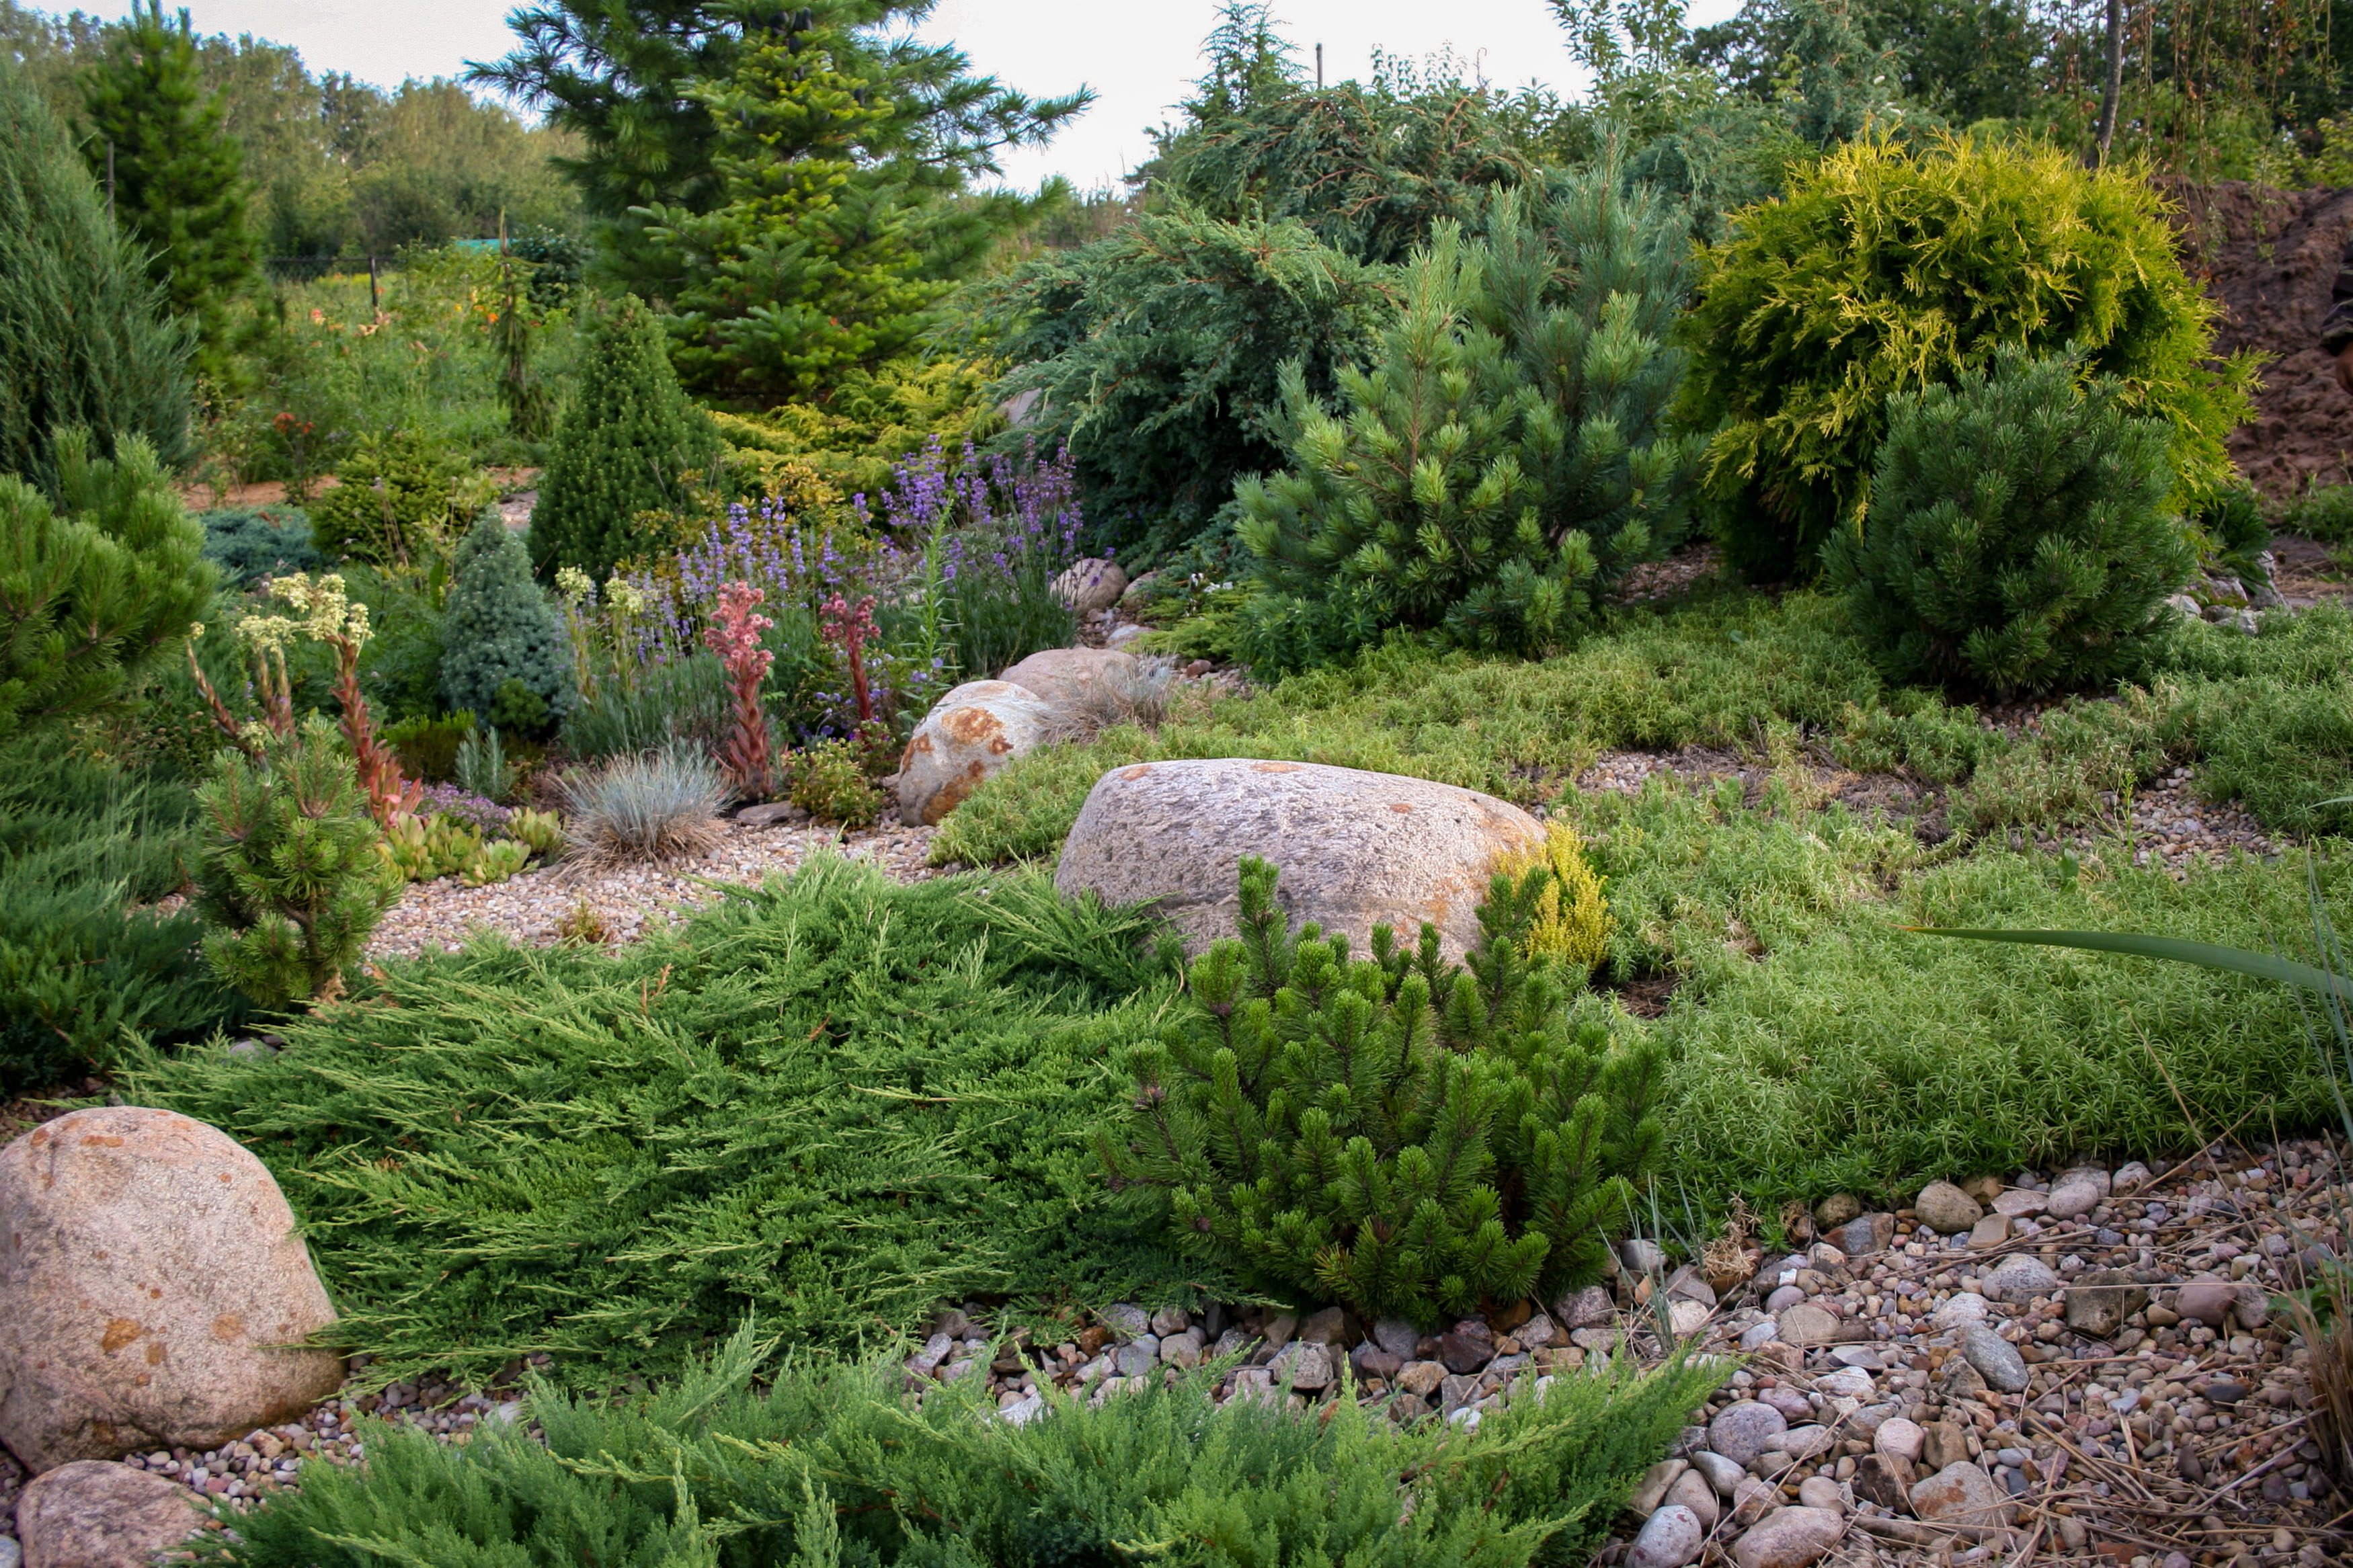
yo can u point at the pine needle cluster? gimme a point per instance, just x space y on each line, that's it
1394 1133
829 1464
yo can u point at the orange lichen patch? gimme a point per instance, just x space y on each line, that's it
155 1353
228 1328
1401 807
1274 767
1137 771
102 1139
119 1331
921 742
972 726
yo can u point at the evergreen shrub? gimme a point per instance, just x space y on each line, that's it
428 745
2019 539
1394 1133
402 504
96 589
1884 271
685 700
1506 455
832 1463
289 874
249 543
82 848
829 783
84 340
625 443
500 630
833 1101
1571 923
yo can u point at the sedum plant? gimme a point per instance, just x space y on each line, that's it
2019 539
1506 455
1885 270
287 870
1394 1133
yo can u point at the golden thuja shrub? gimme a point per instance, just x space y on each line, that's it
1573 921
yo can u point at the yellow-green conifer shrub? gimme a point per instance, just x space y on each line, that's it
1572 922
1888 270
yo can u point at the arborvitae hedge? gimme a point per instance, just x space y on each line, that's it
1885 270
83 339
626 441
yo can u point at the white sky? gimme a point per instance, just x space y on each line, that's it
1138 57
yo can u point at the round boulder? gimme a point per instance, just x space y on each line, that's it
1355 849
90 1514
157 1291
1091 585
1079 683
969 734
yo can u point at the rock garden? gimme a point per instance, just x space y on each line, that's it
1495 830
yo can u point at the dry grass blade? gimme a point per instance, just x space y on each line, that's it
658 808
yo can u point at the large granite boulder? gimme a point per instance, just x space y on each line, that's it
157 1291
969 734
89 1514
1357 849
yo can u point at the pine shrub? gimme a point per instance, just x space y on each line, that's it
1507 454
84 340
403 502
627 441
1882 272
1394 1133
96 589
500 630
289 873
2019 538
249 543
826 1463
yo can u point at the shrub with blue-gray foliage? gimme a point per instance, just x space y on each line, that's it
500 627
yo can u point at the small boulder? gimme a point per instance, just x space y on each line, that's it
1836 1210
1091 585
1996 1359
1718 1471
968 736
2208 1301
1944 1444
2074 1197
2100 1299
158 1294
1309 1367
1944 1209
1651 1489
1692 1491
1790 1538
1820 1491
1588 1308
1810 1324
1742 1431
1671 1538
1899 1439
1883 1480
1961 1493
92 1514
1357 849
1866 1234
2019 1279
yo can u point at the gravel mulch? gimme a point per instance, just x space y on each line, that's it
534 907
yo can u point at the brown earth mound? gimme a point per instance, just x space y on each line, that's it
2269 256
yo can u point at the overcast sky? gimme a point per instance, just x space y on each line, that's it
1138 57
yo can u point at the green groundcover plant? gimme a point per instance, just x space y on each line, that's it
835 1101
834 1463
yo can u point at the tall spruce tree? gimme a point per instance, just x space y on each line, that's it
83 339
156 131
808 266
628 77
627 441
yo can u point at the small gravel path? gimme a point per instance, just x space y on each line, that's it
531 908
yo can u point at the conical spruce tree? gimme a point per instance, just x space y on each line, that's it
810 267
178 176
1392 1134
2017 539
500 630
84 343
627 440
1506 454
93 591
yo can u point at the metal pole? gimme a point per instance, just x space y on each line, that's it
1319 67
374 308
